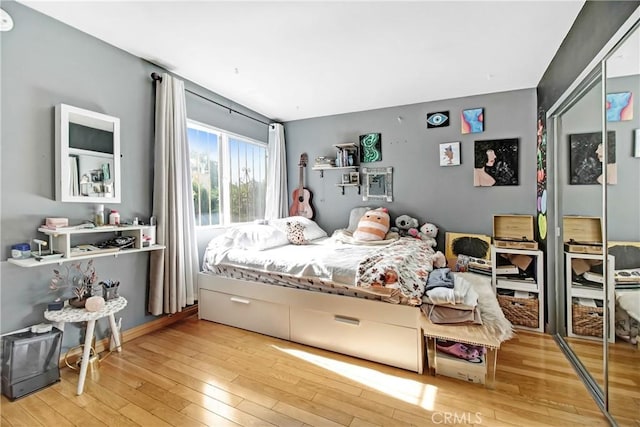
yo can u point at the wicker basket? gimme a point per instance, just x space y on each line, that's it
520 311
587 320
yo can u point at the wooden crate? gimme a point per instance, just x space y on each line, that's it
514 232
582 234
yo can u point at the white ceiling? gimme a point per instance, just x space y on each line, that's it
294 60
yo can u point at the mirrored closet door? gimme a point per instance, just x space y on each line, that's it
596 145
622 70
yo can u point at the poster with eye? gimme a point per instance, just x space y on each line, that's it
450 154
370 148
437 120
496 162
585 158
472 120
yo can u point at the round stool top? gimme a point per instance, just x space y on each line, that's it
72 314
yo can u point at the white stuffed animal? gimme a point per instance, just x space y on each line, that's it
428 233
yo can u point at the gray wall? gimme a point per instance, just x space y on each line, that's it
45 62
444 196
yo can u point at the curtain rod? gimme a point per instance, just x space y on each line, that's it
157 77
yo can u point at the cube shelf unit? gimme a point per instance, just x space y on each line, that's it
60 241
536 286
577 291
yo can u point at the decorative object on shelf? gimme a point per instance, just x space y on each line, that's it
114 217
495 162
586 155
437 120
99 216
619 106
20 251
472 120
450 154
346 178
354 178
370 147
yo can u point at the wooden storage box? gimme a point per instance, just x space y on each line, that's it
582 234
514 232
520 311
587 320
461 369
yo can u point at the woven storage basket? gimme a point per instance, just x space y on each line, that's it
587 320
520 311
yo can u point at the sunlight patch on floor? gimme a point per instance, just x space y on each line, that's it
409 391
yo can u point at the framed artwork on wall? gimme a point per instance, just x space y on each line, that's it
437 120
619 106
472 120
585 158
475 245
450 154
496 162
370 147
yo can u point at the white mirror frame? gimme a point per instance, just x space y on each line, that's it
388 183
66 114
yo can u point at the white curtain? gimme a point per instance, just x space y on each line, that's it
173 271
277 197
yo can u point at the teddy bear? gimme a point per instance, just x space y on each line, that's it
427 233
404 225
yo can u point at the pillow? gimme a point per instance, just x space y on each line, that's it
295 233
257 237
311 230
373 225
354 217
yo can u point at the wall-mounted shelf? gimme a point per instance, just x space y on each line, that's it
348 185
346 159
60 241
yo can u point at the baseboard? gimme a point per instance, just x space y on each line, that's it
137 331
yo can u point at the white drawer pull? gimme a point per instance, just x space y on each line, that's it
349 320
240 300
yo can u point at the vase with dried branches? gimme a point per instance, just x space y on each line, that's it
77 277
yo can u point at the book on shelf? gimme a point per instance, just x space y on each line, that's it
586 284
90 249
479 271
507 269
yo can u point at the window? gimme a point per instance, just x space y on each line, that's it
228 176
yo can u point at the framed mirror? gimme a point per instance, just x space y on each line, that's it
378 184
87 156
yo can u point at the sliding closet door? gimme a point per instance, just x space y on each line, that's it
578 145
623 226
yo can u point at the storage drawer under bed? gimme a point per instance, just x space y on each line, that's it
380 342
246 313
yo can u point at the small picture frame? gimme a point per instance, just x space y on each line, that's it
346 178
450 154
354 178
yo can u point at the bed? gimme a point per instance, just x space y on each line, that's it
359 300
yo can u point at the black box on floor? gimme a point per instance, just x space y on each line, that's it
30 362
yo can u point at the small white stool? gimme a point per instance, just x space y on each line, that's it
71 314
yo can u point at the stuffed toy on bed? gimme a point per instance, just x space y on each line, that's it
427 233
373 225
405 225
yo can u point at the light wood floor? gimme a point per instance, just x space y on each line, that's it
196 373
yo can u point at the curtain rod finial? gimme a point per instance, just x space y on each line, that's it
156 77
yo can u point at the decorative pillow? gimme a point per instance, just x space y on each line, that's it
355 215
311 230
258 237
374 225
295 233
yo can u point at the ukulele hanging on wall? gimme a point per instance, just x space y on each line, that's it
301 196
